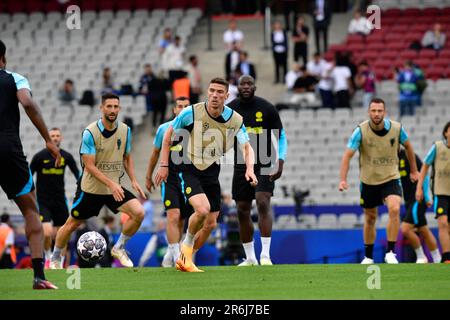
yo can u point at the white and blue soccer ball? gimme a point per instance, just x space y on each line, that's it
91 246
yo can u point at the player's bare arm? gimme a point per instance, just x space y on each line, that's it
419 189
34 113
163 171
249 157
150 169
128 164
345 165
89 165
414 174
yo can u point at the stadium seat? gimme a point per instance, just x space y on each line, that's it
427 54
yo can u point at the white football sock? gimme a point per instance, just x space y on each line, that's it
189 240
123 239
249 251
56 253
436 255
174 249
265 252
48 254
419 253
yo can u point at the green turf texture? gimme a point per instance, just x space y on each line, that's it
279 282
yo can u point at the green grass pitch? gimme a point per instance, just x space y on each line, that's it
279 282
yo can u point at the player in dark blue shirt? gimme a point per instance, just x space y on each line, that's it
16 179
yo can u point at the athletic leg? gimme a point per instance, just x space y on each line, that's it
265 224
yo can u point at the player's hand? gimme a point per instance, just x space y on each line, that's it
419 194
414 176
278 173
138 188
54 151
343 185
149 184
429 204
161 175
117 191
250 177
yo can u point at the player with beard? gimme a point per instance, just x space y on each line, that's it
262 121
105 153
51 195
378 140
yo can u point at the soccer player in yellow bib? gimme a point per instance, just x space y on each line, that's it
439 158
210 128
105 153
378 140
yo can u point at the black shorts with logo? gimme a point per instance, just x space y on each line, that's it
207 182
415 213
55 210
173 196
442 206
373 196
16 179
87 205
242 190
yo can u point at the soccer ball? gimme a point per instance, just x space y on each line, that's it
91 246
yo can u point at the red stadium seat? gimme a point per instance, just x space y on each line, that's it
397 46
388 21
125 5
52 6
89 5
143 4
445 13
441 62
198 4
354 38
179 4
408 54
445 53
356 47
427 53
389 55
33 6
15 7
399 28
106 5
431 11
423 62
382 64
434 73
375 36
376 46
393 12
412 12
370 55
160 4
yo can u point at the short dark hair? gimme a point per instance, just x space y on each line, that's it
2 49
107 96
55 129
70 81
377 100
221 81
181 98
192 57
445 129
4 218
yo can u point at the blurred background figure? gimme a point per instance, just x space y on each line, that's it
321 12
434 39
365 79
67 94
195 79
7 250
300 38
233 36
279 51
359 25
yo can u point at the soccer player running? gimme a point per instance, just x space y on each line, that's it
16 180
175 203
415 212
51 195
261 120
210 129
378 140
439 157
105 153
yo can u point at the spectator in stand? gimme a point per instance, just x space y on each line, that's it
232 60
166 40
173 58
154 88
421 83
305 83
108 85
365 79
232 89
342 84
245 67
293 75
316 66
67 93
359 25
434 39
7 250
233 34
407 80
325 86
321 12
195 79
280 51
300 38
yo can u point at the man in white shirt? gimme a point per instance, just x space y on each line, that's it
173 58
434 39
341 76
316 66
232 34
292 75
359 25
